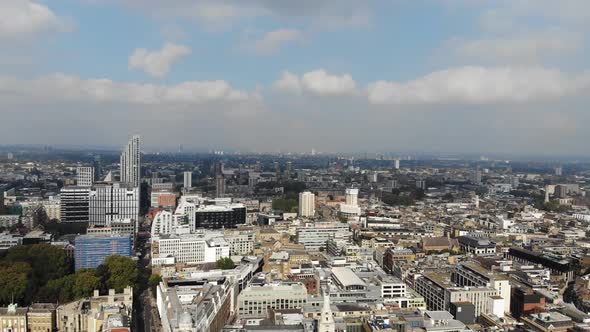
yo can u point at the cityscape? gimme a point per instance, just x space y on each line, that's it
294 166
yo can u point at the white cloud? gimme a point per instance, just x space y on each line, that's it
480 85
271 42
22 19
157 63
317 82
59 88
526 47
288 82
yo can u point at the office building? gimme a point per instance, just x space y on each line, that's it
439 293
559 266
396 164
476 245
91 250
255 301
315 236
473 274
131 162
109 202
196 248
220 216
188 180
84 176
306 204
74 204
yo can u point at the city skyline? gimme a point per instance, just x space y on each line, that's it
458 76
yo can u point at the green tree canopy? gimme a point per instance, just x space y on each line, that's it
225 263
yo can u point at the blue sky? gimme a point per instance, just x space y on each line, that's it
267 75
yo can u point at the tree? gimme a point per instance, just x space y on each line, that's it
122 272
154 280
85 282
14 282
225 263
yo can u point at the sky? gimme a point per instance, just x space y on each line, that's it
424 76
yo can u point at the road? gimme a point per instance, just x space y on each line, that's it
146 315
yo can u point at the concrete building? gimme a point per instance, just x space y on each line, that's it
306 204
255 301
109 202
195 304
227 215
90 314
84 176
188 180
316 235
219 186
91 250
74 204
476 245
439 293
131 162
472 274
189 248
8 241
241 242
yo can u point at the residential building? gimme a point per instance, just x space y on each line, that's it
241 242
131 162
109 202
188 180
306 204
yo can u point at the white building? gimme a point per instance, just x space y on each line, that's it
109 202
190 248
255 301
84 176
316 235
131 162
306 204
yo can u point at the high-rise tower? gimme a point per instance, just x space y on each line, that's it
131 162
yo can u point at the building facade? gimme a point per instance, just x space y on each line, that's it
306 204
110 202
131 162
91 250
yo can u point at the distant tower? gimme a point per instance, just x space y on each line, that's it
306 204
131 162
546 194
326 322
277 167
352 196
97 164
558 171
188 180
288 170
219 186
476 201
396 164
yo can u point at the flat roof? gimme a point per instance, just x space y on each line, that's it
347 277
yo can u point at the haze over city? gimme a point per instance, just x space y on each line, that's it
455 76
